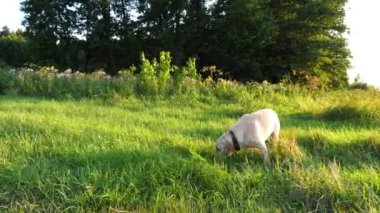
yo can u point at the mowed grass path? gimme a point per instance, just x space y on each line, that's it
145 155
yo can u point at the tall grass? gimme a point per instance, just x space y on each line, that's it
152 79
91 142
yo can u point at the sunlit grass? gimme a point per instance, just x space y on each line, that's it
144 154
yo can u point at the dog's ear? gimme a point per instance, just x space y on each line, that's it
229 147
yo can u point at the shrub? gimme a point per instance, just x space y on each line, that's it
13 50
158 78
147 84
358 84
7 80
165 68
154 78
229 90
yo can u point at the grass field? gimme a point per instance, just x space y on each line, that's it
149 155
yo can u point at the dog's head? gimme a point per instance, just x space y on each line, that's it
224 145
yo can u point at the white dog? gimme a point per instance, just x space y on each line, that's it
252 130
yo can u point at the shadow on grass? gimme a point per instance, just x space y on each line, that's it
302 120
148 179
356 154
348 112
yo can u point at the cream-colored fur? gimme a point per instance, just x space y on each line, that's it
252 130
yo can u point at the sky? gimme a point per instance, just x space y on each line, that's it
362 18
363 38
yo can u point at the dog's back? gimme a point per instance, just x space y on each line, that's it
259 125
270 121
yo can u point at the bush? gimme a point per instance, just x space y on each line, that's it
154 78
7 80
158 78
13 50
358 84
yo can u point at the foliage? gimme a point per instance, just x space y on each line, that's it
250 40
244 33
358 84
13 48
311 40
153 78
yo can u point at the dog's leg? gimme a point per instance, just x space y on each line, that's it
264 153
276 132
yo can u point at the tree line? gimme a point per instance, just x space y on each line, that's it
249 40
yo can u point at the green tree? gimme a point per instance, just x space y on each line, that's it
52 26
197 31
13 48
99 28
244 30
260 39
310 40
160 25
128 45
251 40
41 23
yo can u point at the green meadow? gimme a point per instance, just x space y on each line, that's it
94 117
145 154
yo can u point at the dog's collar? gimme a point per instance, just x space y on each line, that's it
235 141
